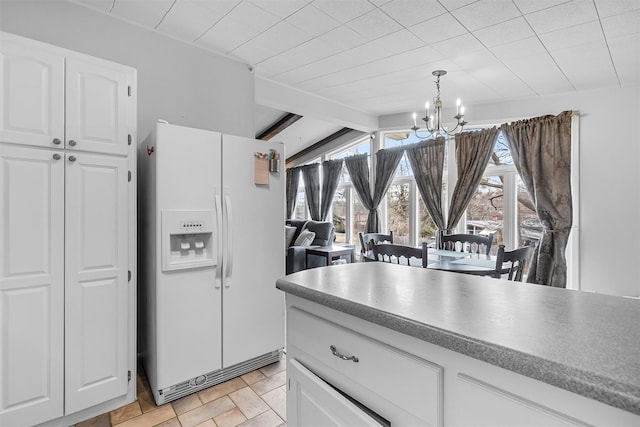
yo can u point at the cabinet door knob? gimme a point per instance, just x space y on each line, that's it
56 156
56 141
72 158
336 353
72 143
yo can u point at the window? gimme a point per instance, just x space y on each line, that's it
339 215
301 210
396 139
426 227
501 204
486 209
348 214
404 212
399 212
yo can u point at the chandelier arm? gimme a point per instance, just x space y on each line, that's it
427 136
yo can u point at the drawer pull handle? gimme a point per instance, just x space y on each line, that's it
334 350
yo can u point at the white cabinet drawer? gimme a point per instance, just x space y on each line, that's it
406 381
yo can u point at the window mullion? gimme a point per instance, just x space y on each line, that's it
510 214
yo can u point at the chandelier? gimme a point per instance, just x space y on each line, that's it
433 117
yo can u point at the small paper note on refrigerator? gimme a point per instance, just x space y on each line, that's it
261 169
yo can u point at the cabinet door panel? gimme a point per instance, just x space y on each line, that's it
312 402
31 285
96 103
95 280
31 94
478 401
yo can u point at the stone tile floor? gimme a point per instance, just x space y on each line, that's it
256 399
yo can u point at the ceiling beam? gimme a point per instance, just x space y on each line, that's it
319 144
286 98
284 122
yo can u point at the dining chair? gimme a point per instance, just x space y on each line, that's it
398 254
471 243
517 260
365 238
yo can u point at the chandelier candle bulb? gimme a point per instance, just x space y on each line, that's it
458 103
415 116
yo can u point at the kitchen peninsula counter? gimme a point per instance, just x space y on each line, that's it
584 343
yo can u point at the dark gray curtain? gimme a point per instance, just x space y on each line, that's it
427 162
331 171
541 151
387 161
473 151
293 179
311 177
358 167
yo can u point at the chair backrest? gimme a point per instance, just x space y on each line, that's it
473 243
517 260
365 238
398 254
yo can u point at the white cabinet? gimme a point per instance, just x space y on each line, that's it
31 285
67 217
402 380
59 99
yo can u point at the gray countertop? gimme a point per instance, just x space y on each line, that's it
586 343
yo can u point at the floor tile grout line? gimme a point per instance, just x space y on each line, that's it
267 372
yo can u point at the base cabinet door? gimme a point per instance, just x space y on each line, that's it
31 285
95 280
313 402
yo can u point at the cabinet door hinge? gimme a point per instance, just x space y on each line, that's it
129 175
129 139
129 275
129 90
128 376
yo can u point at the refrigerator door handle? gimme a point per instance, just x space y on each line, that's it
229 252
218 203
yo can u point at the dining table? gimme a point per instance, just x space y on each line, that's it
461 262
454 261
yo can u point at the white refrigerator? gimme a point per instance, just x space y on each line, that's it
211 248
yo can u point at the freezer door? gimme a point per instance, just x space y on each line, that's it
253 241
188 301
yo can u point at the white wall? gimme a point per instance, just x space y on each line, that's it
609 178
177 82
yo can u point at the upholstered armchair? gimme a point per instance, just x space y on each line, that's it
296 254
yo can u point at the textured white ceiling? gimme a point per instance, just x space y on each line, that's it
377 56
